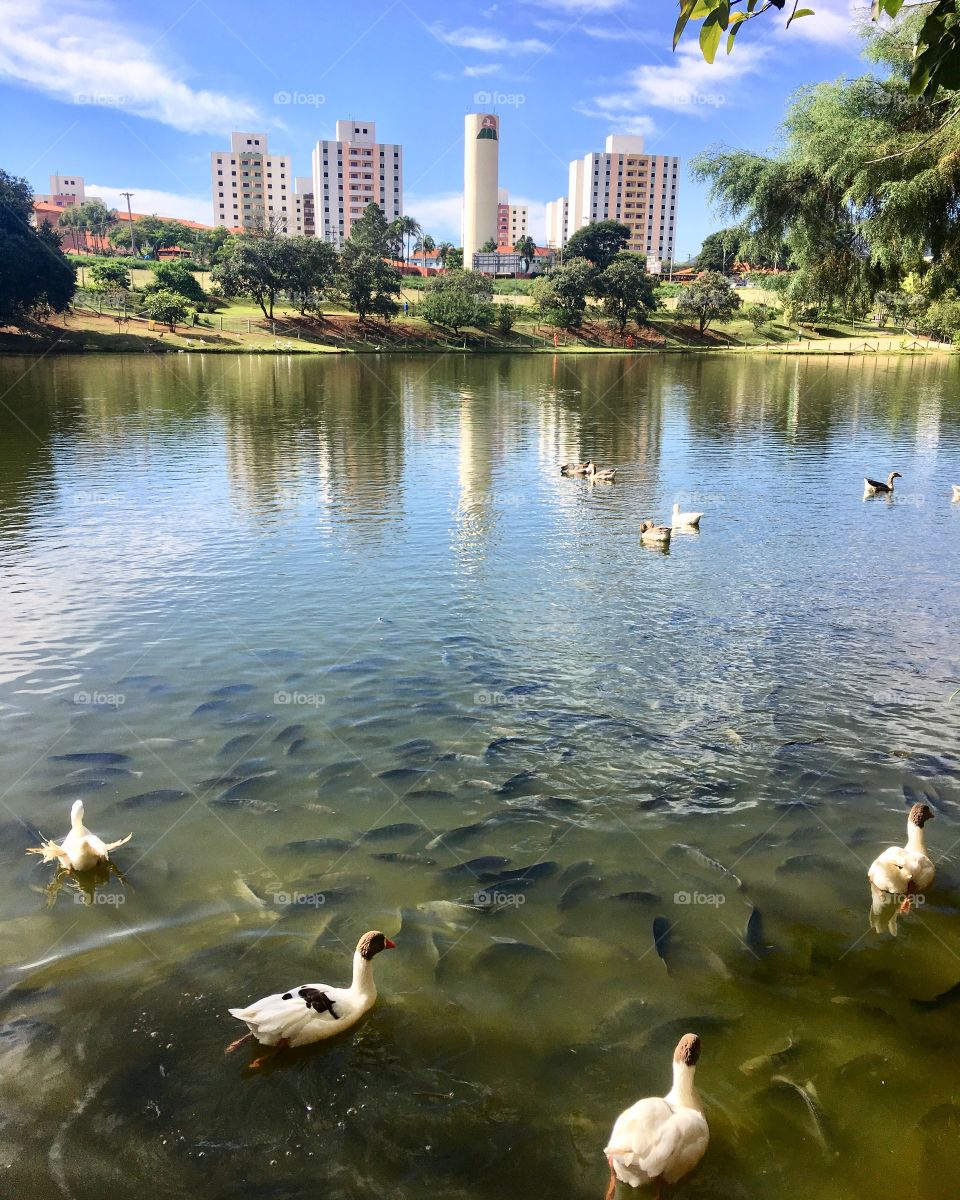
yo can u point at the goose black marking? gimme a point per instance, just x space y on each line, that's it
317 1000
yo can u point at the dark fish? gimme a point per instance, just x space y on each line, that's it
289 732
384 832
501 745
160 796
429 794
580 890
102 757
475 866
76 786
341 767
219 781
754 931
238 744
247 803
801 742
516 783
401 774
944 1000
501 953
245 788
249 718
806 862
321 845
661 937
534 872
140 680
296 746
577 870
453 837
416 748
771 1061
406 860
712 864
637 897
811 1104
101 773
234 689
493 894
211 706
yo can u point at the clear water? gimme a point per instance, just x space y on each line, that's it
382 552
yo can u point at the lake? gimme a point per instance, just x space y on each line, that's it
351 602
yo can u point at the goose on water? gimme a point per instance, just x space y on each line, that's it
904 871
655 535
685 520
80 850
600 474
873 487
574 468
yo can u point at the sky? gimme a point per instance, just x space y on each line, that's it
135 97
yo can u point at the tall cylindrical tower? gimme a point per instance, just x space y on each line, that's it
481 153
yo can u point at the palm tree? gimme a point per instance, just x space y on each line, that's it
427 246
526 247
407 228
70 219
444 250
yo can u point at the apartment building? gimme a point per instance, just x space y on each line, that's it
512 220
303 208
557 222
252 187
350 172
624 183
66 191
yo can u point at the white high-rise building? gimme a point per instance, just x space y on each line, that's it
251 187
303 214
623 183
481 154
512 220
557 222
352 171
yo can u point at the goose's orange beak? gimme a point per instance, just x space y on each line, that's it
389 945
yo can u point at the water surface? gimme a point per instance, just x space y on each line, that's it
354 603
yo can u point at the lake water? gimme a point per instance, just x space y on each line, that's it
198 553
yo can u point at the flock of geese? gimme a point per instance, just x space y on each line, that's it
657 1140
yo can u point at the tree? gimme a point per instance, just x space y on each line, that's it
167 307
176 277
598 242
758 315
35 275
405 228
934 33
942 318
364 280
489 246
109 274
719 250
444 250
526 247
711 297
625 289
458 298
253 266
426 246
311 268
454 258
71 220
561 294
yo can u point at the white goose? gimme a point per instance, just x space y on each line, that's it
80 850
956 490
688 520
311 1012
659 1140
905 870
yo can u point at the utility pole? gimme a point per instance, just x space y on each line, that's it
133 238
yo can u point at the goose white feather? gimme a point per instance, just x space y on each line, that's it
661 1139
956 490
311 1012
685 520
906 870
655 535
80 850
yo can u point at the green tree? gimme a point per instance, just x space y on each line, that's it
310 271
176 277
35 275
457 299
719 250
625 290
599 242
454 258
108 274
253 266
71 220
426 246
561 294
489 246
526 247
444 251
405 228
168 307
711 297
758 315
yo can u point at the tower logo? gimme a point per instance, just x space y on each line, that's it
488 129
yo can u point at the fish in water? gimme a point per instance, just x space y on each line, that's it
401 775
453 837
944 1000
662 937
541 870
771 1061
405 860
251 786
475 866
502 744
637 897
159 796
384 833
77 786
705 860
516 783
238 745
102 773
289 732
234 689
416 748
807 1094
754 931
296 746
104 758
211 706
219 781
321 845
582 889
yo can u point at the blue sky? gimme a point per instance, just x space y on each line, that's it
135 97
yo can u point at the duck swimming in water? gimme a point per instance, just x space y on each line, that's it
574 468
907 870
600 474
873 487
80 850
655 535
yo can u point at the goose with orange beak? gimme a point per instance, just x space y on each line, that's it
312 1012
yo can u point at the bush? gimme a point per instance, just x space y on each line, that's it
176 277
505 319
108 274
166 306
457 299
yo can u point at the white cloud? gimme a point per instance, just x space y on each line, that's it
439 214
578 6
687 85
536 217
154 202
482 69
834 23
468 38
88 60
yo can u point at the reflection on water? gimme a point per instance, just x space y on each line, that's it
344 650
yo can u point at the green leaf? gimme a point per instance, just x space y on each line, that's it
800 12
736 20
712 29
